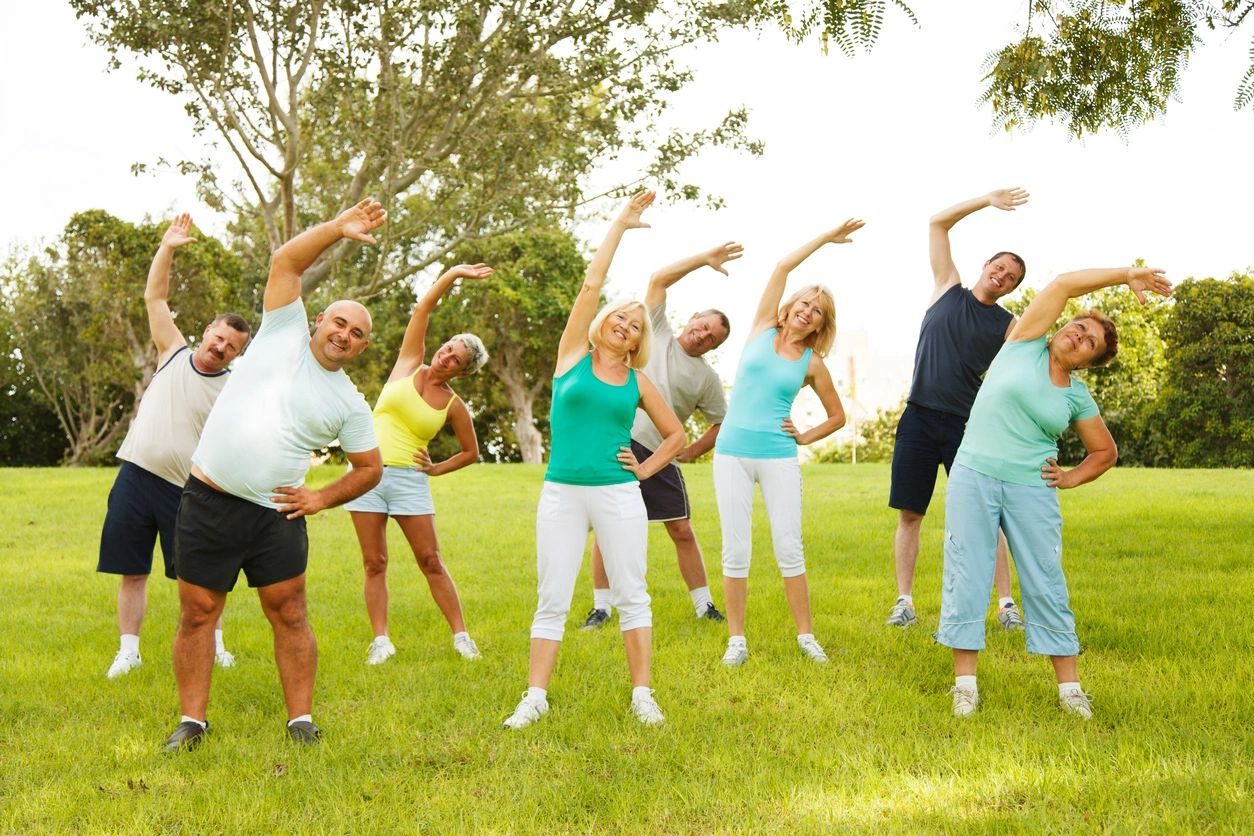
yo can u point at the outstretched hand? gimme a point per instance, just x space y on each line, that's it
470 271
1141 279
840 235
359 221
1008 199
298 502
629 217
719 256
178 232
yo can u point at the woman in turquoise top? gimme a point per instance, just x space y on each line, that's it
757 443
1006 470
593 478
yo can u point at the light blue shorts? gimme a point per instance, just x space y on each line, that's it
975 505
402 492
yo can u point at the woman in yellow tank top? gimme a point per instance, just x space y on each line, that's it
415 404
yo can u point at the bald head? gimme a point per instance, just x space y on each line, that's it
341 332
356 309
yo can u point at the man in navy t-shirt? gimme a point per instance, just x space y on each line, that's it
962 332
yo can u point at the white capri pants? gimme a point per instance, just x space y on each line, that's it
616 514
780 479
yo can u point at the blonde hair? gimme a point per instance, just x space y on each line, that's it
825 335
640 356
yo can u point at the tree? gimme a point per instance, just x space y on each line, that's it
29 432
1096 64
467 118
519 313
1205 413
875 440
78 329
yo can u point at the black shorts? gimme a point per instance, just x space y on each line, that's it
219 534
925 438
665 497
142 507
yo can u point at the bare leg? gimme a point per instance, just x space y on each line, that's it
1065 668
199 610
688 553
964 662
420 532
295 650
543 659
639 646
906 549
735 596
797 590
1001 571
132 601
372 535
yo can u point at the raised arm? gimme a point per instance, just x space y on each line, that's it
661 281
413 345
464 428
820 380
574 342
291 260
944 272
165 334
768 306
1048 305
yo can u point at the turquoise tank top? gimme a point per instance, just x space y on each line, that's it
766 385
589 420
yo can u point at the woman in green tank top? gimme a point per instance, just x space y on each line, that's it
592 479
405 420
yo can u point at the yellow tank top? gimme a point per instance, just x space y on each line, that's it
404 422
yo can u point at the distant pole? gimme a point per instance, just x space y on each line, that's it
853 404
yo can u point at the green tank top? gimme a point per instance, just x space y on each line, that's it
589 420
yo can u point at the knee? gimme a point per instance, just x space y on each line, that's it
910 520
429 561
288 614
681 533
375 563
134 583
196 615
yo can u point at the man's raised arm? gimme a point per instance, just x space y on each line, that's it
661 281
291 260
944 272
165 334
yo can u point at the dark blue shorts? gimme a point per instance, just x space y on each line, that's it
665 496
926 438
142 507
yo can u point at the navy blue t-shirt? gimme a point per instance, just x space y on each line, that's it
958 340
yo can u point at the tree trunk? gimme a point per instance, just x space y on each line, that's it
530 443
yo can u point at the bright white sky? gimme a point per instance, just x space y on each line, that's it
890 138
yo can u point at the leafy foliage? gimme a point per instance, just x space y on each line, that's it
875 440
855 25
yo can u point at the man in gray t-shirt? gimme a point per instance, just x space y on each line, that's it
678 369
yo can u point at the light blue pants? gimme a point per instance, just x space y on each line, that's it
975 505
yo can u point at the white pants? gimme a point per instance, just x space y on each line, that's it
616 514
780 479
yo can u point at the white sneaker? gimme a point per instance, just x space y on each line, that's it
965 701
224 658
466 646
527 713
1077 703
123 663
381 649
646 710
811 648
736 655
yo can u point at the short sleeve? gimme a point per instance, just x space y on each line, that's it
657 318
357 433
713 403
1082 403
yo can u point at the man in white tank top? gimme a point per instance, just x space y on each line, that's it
156 453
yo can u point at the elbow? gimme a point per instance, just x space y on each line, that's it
839 420
940 221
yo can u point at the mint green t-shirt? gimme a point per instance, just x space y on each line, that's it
1019 415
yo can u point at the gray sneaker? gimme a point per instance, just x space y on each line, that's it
1077 703
902 614
966 700
1009 617
595 620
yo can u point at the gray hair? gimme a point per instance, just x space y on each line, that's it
478 353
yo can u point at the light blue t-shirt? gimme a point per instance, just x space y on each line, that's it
1019 415
278 407
766 385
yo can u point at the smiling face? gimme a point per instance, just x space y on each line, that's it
704 332
451 359
221 344
1080 344
621 330
1001 275
806 315
341 333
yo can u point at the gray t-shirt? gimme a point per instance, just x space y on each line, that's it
686 382
279 406
171 416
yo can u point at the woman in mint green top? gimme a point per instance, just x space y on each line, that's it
757 443
1006 471
593 478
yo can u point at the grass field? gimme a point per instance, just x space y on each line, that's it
1159 564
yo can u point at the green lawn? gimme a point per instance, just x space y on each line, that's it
1159 564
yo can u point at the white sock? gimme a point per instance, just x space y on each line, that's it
1008 601
186 719
967 682
1065 688
909 599
736 641
218 645
130 642
700 599
804 636
308 718
537 695
641 692
601 600
457 636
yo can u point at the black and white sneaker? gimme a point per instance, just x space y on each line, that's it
711 613
187 736
303 731
595 620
